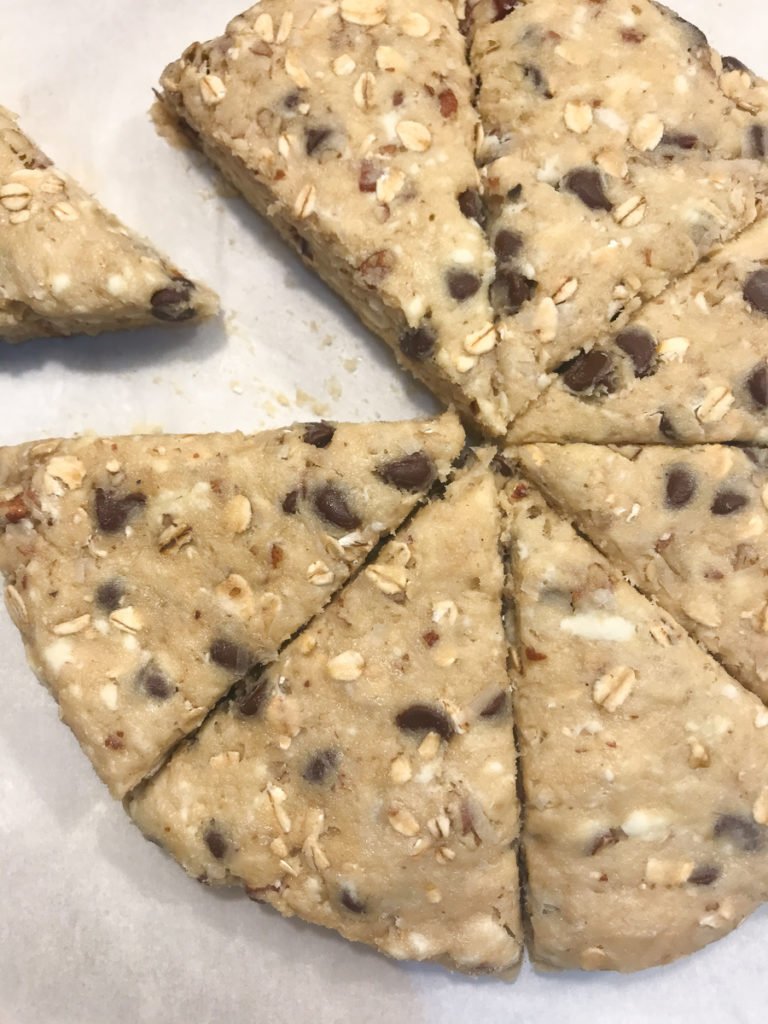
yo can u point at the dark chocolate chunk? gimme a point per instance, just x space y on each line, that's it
680 487
757 385
680 140
591 372
727 502
610 837
502 465
462 284
741 831
734 64
507 244
331 504
409 473
231 656
216 842
471 205
514 194
587 183
706 874
113 510
418 343
536 77
640 346
292 100
425 718
109 595
756 290
510 291
315 138
155 683
757 141
666 427
496 706
696 37
250 703
503 8
290 502
321 766
319 434
350 901
173 303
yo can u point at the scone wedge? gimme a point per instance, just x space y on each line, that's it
688 526
148 574
67 265
691 367
367 780
351 127
619 150
644 765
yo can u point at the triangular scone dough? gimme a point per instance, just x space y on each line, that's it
351 127
67 265
366 782
690 367
148 574
644 765
617 146
689 527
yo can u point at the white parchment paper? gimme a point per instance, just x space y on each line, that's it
97 925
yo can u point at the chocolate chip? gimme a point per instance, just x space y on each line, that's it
315 138
640 346
351 902
109 595
216 842
507 244
321 766
757 385
587 184
704 875
496 706
734 64
502 465
666 427
591 372
462 284
515 194
113 510
424 718
727 502
610 837
503 8
418 343
292 100
319 434
250 703
331 504
409 473
680 140
696 37
757 141
290 503
172 303
756 290
471 205
680 487
742 832
510 291
370 172
231 656
154 683
536 77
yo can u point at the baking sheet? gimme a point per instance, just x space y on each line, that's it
95 923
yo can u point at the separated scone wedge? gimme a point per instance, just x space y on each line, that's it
644 764
689 527
351 127
366 781
67 265
148 574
